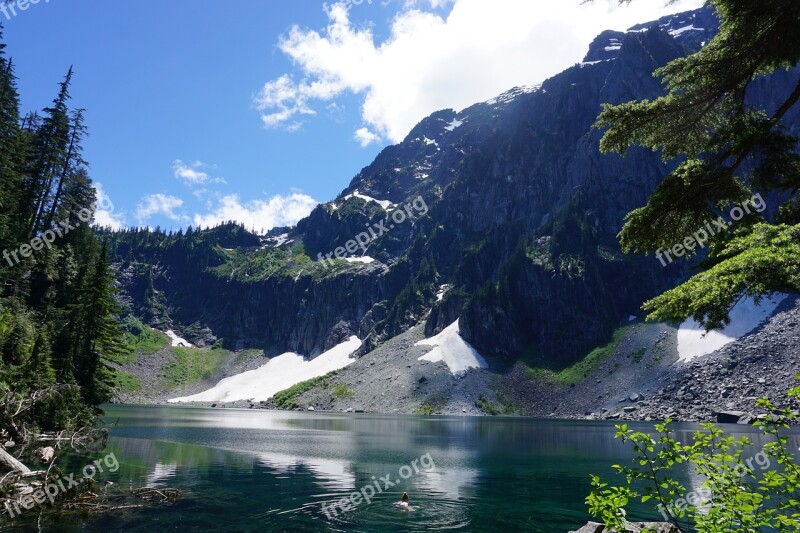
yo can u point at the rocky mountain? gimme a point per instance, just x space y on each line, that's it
502 216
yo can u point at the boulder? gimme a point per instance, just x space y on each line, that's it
730 417
46 454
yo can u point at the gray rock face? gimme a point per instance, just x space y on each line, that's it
522 214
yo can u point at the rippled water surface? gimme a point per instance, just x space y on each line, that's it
274 471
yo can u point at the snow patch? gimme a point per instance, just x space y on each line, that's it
612 48
278 374
453 125
365 259
694 341
280 240
442 291
386 204
511 95
590 63
684 29
178 341
453 350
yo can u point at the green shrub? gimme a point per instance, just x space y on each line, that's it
426 410
735 497
638 355
342 392
503 407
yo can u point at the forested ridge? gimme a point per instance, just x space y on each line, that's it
59 323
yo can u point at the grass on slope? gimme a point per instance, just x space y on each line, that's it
126 382
192 365
142 339
582 369
287 399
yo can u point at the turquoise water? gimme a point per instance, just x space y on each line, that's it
273 471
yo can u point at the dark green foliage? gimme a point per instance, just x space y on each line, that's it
58 312
726 148
733 495
758 260
502 407
584 367
287 399
142 339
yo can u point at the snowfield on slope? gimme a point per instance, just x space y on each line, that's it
694 341
385 204
278 374
453 350
363 259
178 341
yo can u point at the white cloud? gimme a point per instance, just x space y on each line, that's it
194 174
262 215
430 62
190 174
365 137
433 4
159 204
284 100
104 215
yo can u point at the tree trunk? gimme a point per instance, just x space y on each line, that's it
11 462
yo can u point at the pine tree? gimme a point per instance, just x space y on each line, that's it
50 154
9 147
726 151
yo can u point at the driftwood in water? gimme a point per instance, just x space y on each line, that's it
12 463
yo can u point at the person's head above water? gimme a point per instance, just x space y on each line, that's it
405 497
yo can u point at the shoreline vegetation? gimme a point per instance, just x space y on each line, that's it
25 489
60 327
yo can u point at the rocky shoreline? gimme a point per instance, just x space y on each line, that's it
643 380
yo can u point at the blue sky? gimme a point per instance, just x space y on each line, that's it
202 110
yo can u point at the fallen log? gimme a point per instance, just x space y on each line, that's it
12 463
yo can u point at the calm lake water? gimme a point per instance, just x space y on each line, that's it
273 471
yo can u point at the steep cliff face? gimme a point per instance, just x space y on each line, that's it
517 238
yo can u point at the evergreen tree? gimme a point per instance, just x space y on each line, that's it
9 148
59 317
727 150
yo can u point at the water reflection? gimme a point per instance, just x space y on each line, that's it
250 470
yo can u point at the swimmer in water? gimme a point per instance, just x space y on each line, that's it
403 501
